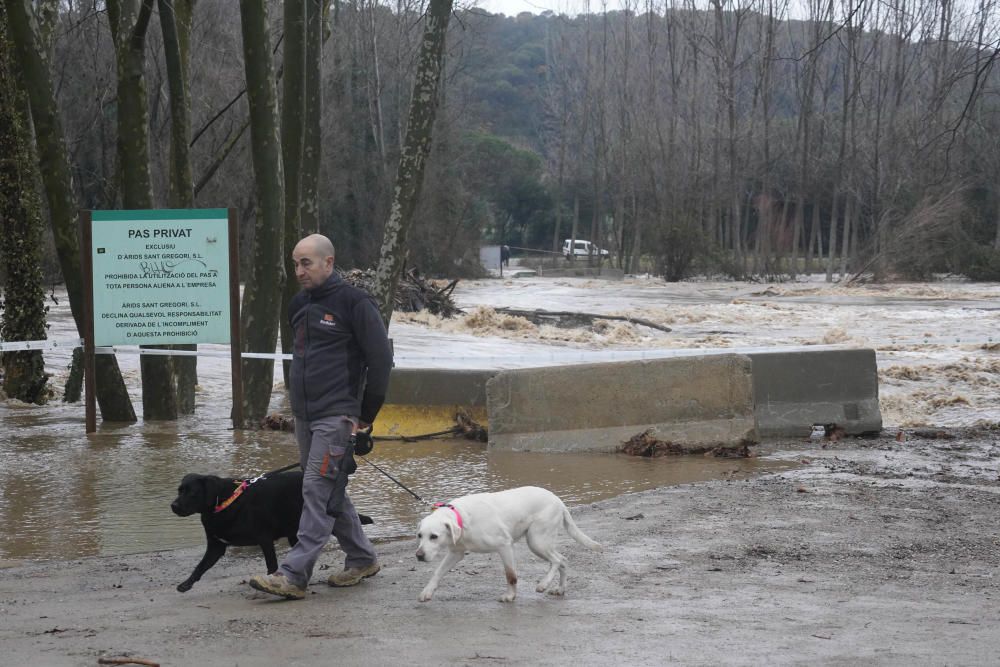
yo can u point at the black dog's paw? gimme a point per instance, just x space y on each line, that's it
365 519
185 586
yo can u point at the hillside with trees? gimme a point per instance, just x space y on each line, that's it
725 137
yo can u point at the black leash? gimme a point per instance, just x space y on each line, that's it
401 485
280 470
454 430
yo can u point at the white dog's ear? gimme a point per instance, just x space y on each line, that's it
451 531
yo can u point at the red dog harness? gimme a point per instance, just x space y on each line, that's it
458 516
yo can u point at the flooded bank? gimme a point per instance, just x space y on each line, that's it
65 495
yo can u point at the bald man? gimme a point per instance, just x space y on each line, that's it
340 370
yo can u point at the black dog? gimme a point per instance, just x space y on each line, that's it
242 513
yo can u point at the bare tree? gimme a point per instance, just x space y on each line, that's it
293 112
53 162
175 24
416 148
24 375
316 21
129 22
264 285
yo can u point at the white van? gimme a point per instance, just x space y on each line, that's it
582 249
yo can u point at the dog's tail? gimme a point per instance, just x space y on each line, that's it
576 533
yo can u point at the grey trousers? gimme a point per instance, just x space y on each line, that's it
323 444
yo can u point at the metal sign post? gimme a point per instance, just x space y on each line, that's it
89 386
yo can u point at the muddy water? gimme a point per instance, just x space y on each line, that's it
936 344
63 494
66 495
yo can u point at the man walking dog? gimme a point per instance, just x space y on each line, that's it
339 340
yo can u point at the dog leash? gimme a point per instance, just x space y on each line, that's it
401 485
280 470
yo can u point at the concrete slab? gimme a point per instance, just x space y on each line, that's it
795 389
438 386
695 401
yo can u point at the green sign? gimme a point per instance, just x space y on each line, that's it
161 277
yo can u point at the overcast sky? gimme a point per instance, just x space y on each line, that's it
515 7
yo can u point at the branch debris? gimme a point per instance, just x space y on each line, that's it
127 661
567 319
645 444
413 293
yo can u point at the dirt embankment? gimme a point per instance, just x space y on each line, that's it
872 552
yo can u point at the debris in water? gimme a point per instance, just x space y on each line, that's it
276 422
562 318
127 661
470 428
645 444
833 432
933 434
413 293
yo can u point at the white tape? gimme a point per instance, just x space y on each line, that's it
22 345
155 352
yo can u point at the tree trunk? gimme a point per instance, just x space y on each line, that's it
556 241
996 238
817 232
416 148
311 147
845 246
832 246
293 107
799 225
595 213
576 228
21 242
53 163
374 81
175 24
635 263
262 294
129 24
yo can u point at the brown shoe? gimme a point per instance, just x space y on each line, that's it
277 584
352 576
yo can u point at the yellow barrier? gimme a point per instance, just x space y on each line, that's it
412 420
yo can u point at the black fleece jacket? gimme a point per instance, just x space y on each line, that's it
339 338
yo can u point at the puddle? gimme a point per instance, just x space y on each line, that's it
65 496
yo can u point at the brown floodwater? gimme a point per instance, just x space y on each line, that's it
65 495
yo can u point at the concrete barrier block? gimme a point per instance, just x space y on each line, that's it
437 386
795 389
693 401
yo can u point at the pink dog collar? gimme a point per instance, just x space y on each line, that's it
452 508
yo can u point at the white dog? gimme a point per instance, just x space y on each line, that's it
486 522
